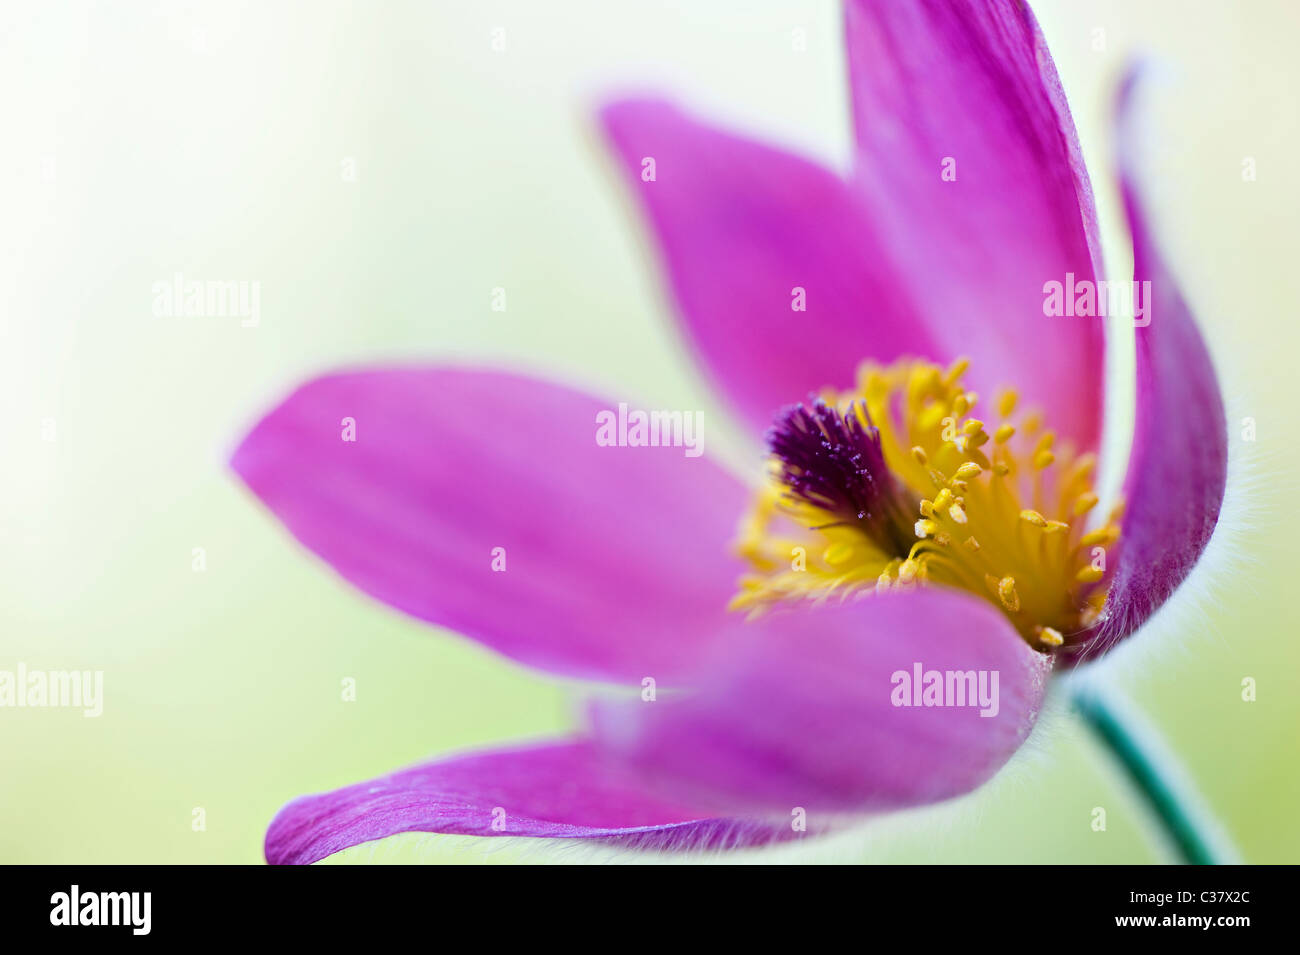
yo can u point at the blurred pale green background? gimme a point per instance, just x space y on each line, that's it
209 138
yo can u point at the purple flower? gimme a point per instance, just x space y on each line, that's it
898 552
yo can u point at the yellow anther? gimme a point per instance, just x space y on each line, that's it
1007 402
1049 636
927 508
991 583
957 514
1007 593
1043 459
908 570
925 528
973 435
943 499
1004 434
972 543
1089 575
1001 470
960 406
1031 423
932 416
1055 527
919 454
1033 517
1045 442
837 554
938 478
1102 535
1083 467
1084 503
741 601
957 485
956 370
968 470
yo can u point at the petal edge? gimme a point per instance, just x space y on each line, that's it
799 710
1172 497
449 464
560 790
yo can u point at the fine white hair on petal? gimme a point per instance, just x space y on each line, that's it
1257 484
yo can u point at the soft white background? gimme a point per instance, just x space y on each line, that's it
143 139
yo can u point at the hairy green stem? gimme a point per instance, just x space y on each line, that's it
1154 771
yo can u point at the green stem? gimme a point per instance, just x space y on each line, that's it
1154 771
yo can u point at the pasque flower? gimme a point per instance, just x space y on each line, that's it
927 506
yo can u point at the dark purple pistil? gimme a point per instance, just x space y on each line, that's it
835 462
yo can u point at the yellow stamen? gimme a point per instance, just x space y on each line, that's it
1007 592
838 554
1011 493
1089 575
1101 536
956 370
1084 503
1049 636
1033 517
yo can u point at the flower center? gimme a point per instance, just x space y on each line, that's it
897 485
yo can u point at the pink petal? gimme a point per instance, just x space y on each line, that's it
741 225
550 791
797 710
1178 466
972 81
616 557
